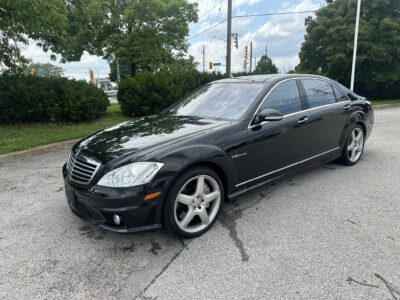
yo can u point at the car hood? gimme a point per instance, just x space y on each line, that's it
149 133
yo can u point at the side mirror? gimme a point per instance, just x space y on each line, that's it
269 115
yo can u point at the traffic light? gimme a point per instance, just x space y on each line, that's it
210 65
91 76
235 40
33 72
246 55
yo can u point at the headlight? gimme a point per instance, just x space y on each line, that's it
131 175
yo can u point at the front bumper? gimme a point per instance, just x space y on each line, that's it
98 205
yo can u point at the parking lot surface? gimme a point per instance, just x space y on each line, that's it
328 233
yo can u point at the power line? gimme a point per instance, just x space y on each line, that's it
212 8
248 16
273 14
208 29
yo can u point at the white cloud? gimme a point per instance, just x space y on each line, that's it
77 70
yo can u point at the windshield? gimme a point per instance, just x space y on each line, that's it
219 100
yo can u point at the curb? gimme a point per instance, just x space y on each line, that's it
384 106
8 157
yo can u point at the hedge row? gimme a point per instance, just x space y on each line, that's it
35 99
148 93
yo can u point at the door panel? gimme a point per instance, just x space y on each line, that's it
327 124
328 117
276 144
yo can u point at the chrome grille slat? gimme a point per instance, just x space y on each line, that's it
85 164
81 169
74 175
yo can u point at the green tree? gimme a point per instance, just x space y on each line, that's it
146 34
328 45
18 24
45 70
265 66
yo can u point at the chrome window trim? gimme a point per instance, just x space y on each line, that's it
272 172
304 110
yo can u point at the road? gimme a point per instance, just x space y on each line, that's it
329 233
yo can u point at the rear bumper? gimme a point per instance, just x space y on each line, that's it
98 205
370 123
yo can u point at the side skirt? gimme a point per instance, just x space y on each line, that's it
298 169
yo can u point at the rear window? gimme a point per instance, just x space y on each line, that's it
339 95
318 92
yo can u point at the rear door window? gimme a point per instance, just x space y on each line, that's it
284 97
318 92
339 95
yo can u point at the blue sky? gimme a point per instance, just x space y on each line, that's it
282 33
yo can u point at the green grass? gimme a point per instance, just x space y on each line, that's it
24 136
385 102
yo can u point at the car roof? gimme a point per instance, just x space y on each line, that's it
266 78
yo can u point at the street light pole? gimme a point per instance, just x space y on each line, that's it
229 39
353 67
251 57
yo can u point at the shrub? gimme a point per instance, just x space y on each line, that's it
34 99
149 93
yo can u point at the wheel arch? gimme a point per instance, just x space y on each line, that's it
205 163
358 117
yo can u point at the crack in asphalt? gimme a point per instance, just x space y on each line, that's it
392 289
350 280
141 295
352 222
229 218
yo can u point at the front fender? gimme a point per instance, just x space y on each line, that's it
180 160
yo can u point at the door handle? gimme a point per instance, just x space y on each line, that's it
347 106
303 120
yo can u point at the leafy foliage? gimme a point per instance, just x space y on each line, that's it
145 34
148 93
265 66
35 99
142 34
45 70
328 45
23 20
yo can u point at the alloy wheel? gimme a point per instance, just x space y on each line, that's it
197 203
355 145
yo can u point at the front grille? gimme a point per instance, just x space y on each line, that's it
81 169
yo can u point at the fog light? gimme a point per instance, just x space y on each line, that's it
117 219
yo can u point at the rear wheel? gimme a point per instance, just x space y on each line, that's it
354 146
193 202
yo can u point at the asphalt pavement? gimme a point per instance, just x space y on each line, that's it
328 233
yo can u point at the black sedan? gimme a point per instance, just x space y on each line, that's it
176 168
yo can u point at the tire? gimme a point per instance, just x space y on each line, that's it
193 202
353 147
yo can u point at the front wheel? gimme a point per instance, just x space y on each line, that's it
193 202
354 146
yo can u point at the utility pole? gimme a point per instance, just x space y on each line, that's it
228 39
266 50
353 67
251 57
203 51
118 74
